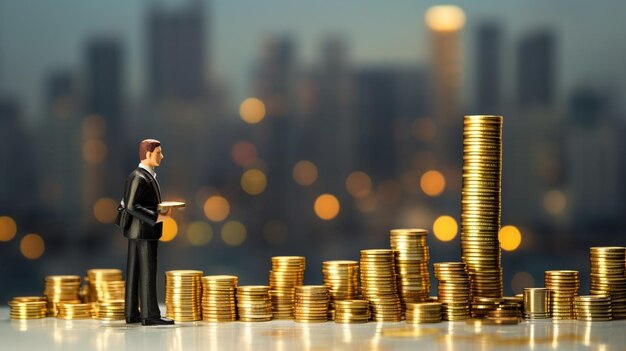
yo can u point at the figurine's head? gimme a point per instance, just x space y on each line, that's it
150 152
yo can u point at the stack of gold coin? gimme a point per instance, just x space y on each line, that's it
342 280
496 307
352 311
378 284
480 203
110 310
61 288
254 303
608 277
593 308
481 306
75 310
423 312
536 303
105 285
28 307
218 298
183 295
411 264
287 273
311 303
563 285
454 293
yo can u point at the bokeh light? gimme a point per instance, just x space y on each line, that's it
253 181
510 237
170 229
433 183
305 173
216 208
326 206
252 110
275 232
359 184
8 228
32 246
233 233
94 151
520 281
445 18
445 228
424 129
554 201
105 210
244 153
94 127
199 233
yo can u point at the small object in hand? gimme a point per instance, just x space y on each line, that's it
167 205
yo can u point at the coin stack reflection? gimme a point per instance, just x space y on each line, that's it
536 303
218 298
352 311
378 284
563 285
342 280
254 303
287 273
423 312
183 295
61 288
105 285
608 276
75 310
593 308
453 290
481 205
110 310
311 305
411 264
28 307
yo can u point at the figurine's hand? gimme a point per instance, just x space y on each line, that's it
163 216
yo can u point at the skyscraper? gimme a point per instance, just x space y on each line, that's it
536 70
488 68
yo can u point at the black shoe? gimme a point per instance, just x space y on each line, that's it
156 321
130 320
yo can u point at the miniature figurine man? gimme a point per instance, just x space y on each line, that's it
143 230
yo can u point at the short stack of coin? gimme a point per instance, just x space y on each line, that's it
254 303
342 280
537 303
378 284
311 303
423 312
105 285
28 307
593 308
483 307
481 205
411 264
75 310
111 310
563 285
608 276
352 311
287 273
218 298
183 295
61 288
453 290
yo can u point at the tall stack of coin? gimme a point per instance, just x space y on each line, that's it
61 288
454 294
287 273
218 298
480 203
75 310
593 308
608 276
254 303
563 285
411 264
423 312
110 310
342 280
183 295
28 307
352 311
536 303
378 284
105 285
311 303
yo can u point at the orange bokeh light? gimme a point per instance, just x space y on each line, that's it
326 206
216 208
433 183
305 173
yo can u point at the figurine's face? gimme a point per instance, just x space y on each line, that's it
154 158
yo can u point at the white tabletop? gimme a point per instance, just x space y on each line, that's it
58 334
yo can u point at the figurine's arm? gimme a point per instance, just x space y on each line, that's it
136 209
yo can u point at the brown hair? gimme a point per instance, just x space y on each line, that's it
147 145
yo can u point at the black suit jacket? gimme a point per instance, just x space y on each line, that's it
142 197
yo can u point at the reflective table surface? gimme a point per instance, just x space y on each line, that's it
58 334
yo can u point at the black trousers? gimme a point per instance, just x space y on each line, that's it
141 279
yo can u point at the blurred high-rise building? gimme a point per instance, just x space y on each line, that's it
536 69
488 68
